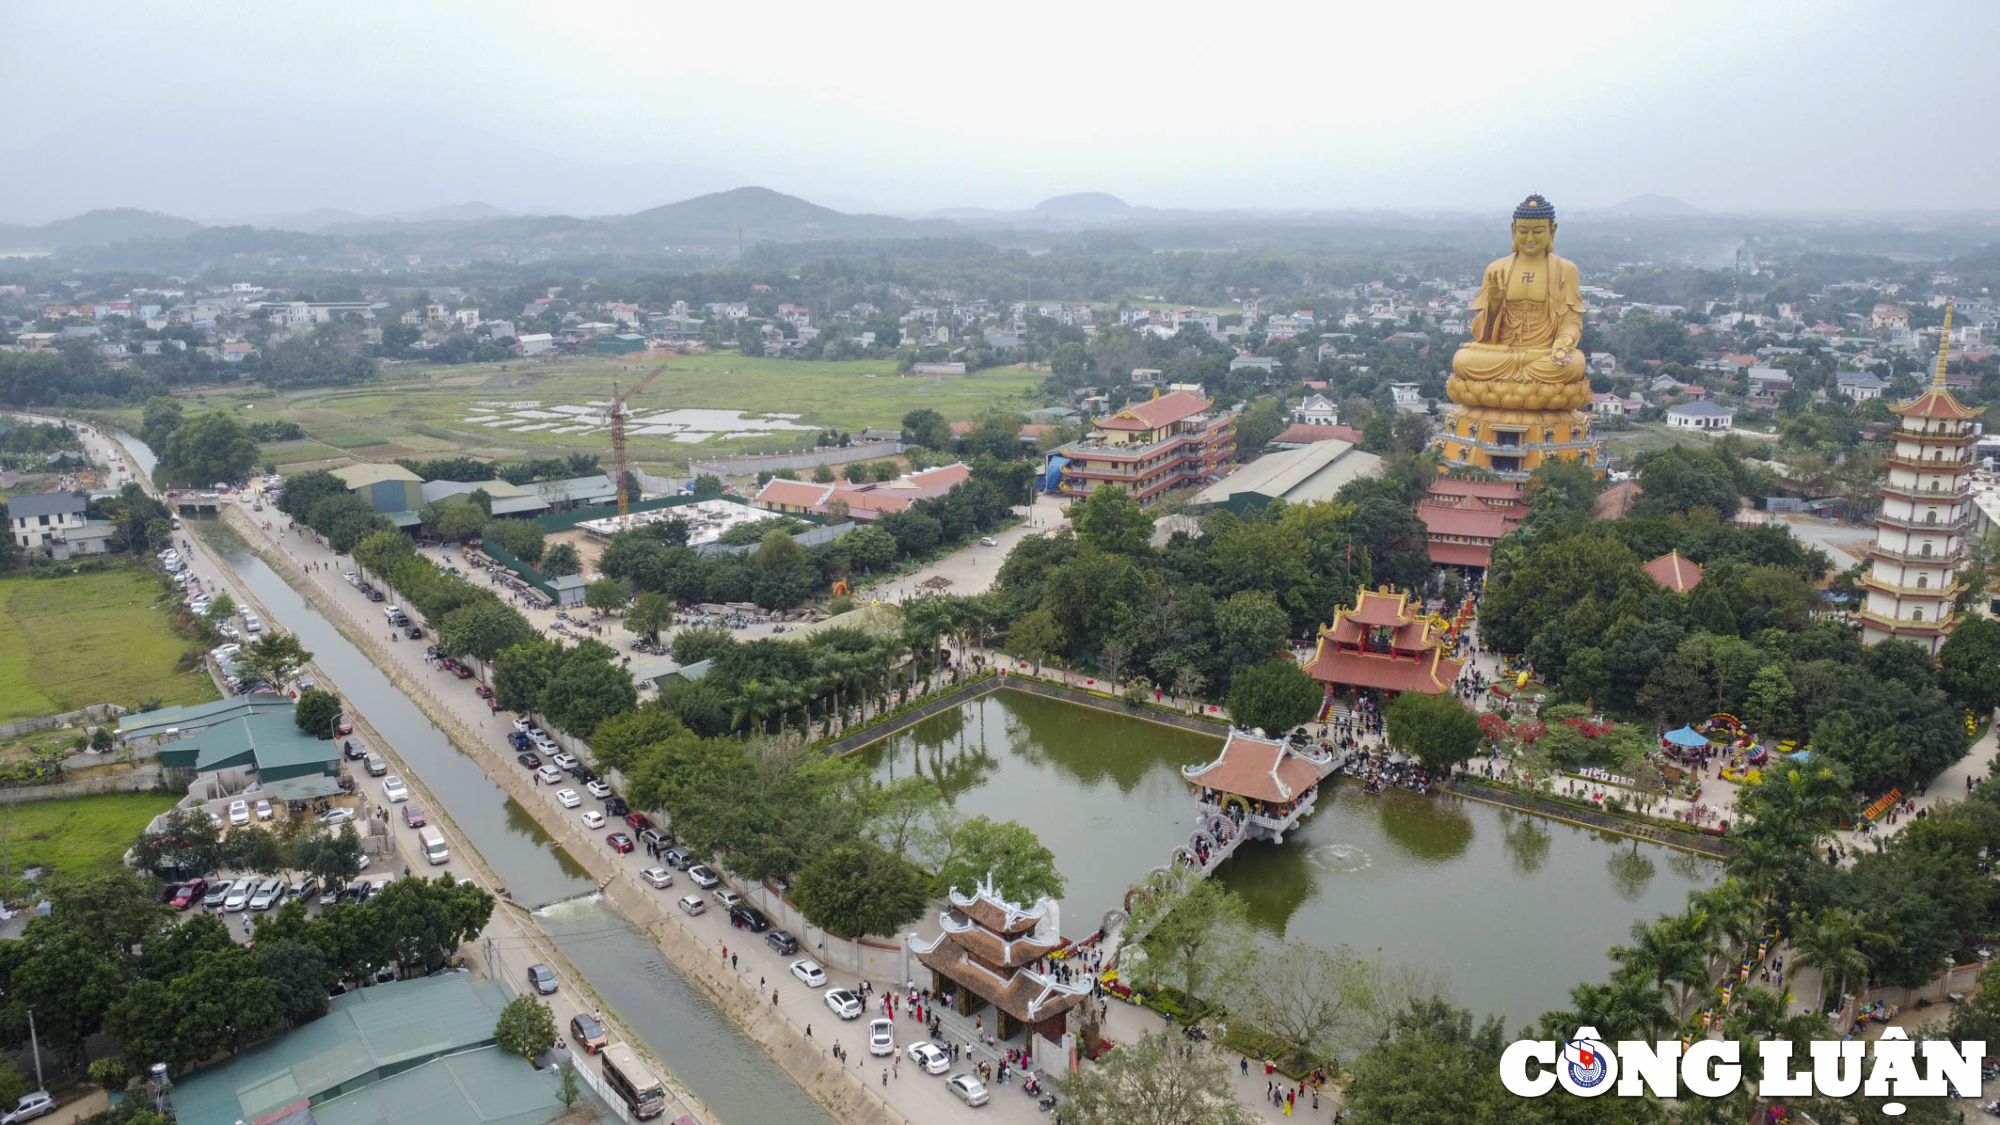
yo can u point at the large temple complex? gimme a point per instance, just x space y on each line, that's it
986 957
1386 643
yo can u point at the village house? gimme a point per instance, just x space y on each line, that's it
1700 415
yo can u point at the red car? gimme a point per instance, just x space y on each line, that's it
637 821
190 893
620 842
414 816
461 671
483 692
346 725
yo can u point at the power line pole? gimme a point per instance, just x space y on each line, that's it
35 1046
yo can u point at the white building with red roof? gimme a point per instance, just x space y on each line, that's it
864 501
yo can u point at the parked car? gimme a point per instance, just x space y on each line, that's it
587 1033
693 904
344 726
929 1059
461 671
377 765
239 895
969 1089
881 1037
568 798
217 892
394 789
353 751
726 898
614 805
529 759
597 789
548 775
563 759
658 876
239 813
638 821
620 842
704 878
750 918
782 942
306 889
263 809
522 727
652 839
32 1105
340 815
677 858
593 819
189 893
518 740
413 816
268 895
809 971
988 541
845 1004
542 979
412 632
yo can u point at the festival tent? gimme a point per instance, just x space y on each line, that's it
1799 756
1687 736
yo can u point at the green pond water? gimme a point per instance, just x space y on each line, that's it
1513 908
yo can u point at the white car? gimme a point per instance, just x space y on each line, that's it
30 1107
239 813
394 789
252 625
548 775
264 809
845 1004
338 815
969 1088
929 1059
881 1037
568 798
563 760
726 898
523 725
703 877
239 895
593 819
808 970
658 876
597 789
272 892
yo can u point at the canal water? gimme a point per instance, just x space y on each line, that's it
1514 909
727 1071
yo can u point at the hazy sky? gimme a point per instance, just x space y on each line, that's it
217 109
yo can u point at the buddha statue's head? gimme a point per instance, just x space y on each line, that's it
1534 227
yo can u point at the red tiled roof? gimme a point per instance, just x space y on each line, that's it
1478 522
1154 413
1036 429
1431 674
1482 489
1301 433
1614 501
1674 572
1461 554
1378 609
960 429
797 493
1258 768
1936 402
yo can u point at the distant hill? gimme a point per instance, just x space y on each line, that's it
1655 205
760 214
1084 205
96 228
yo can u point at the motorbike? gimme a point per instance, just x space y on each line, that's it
1195 1033
1047 1103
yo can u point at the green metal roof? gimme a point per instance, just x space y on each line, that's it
263 736
367 1037
483 1087
191 717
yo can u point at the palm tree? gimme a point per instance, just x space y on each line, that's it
837 671
755 704
1760 863
1627 1008
1831 942
1757 1014
1673 950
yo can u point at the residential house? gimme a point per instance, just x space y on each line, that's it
1700 415
1611 405
534 343
1408 400
1768 384
1859 385
1317 410
54 523
1889 316
1261 362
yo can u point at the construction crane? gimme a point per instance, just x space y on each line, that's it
618 399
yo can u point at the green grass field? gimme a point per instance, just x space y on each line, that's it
69 642
77 833
418 410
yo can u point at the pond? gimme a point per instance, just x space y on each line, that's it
1514 908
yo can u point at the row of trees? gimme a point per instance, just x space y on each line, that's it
197 451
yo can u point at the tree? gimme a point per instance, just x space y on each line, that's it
1433 1069
1195 933
1314 1000
1831 942
1274 696
605 595
1438 730
161 418
456 520
1110 520
1022 870
274 658
1250 628
822 474
207 448
568 1090
560 561
620 740
526 1028
483 629
651 612
316 712
1970 664
926 427
221 609
784 575
186 841
586 688
858 888
707 486
299 970
1160 1079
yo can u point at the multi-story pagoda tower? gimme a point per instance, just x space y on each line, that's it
1913 573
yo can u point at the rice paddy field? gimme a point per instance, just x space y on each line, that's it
706 405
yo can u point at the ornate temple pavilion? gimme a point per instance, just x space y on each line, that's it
1262 784
1385 643
986 956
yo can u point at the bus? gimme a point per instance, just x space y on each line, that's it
626 1075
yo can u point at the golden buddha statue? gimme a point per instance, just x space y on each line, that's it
1526 321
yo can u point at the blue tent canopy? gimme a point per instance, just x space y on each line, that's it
1687 736
1799 756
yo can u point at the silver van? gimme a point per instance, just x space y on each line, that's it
432 842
